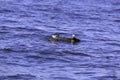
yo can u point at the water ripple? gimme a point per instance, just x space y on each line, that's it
26 26
18 76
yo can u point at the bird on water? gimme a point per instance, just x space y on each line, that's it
57 38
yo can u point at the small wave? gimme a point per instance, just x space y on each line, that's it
18 76
21 31
84 73
11 21
3 32
116 51
34 57
53 56
26 15
107 78
18 28
76 15
26 28
95 18
38 21
4 27
98 30
113 44
47 8
3 57
6 11
116 10
7 49
63 78
61 56
15 64
116 3
77 53
14 50
117 21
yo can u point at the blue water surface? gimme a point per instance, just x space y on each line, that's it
26 54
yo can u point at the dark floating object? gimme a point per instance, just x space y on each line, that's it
57 38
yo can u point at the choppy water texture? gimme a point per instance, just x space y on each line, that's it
26 54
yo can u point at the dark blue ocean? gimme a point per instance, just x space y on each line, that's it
26 54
